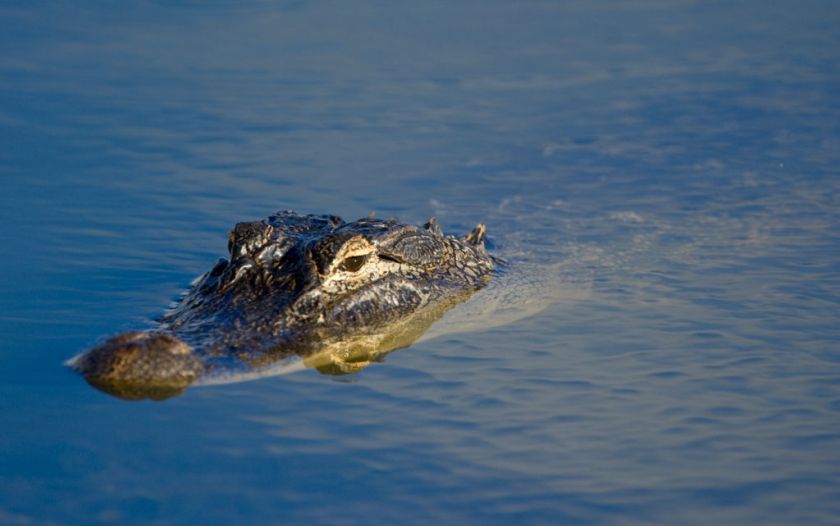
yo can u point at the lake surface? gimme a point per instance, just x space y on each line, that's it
662 176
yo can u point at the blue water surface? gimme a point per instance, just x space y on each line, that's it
662 176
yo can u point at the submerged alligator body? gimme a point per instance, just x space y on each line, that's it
333 294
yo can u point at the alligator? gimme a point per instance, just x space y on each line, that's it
334 294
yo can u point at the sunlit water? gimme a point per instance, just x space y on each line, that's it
662 176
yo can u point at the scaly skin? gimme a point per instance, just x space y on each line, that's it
294 286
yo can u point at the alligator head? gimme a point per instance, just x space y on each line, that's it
335 294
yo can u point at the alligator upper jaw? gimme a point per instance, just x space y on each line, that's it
140 365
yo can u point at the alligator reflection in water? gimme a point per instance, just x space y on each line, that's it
297 291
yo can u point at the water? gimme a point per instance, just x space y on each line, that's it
663 175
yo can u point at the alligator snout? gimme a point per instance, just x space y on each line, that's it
138 365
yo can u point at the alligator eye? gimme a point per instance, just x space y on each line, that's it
353 263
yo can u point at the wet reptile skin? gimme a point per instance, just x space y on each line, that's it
295 285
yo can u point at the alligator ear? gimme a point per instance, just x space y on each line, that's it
476 236
414 246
